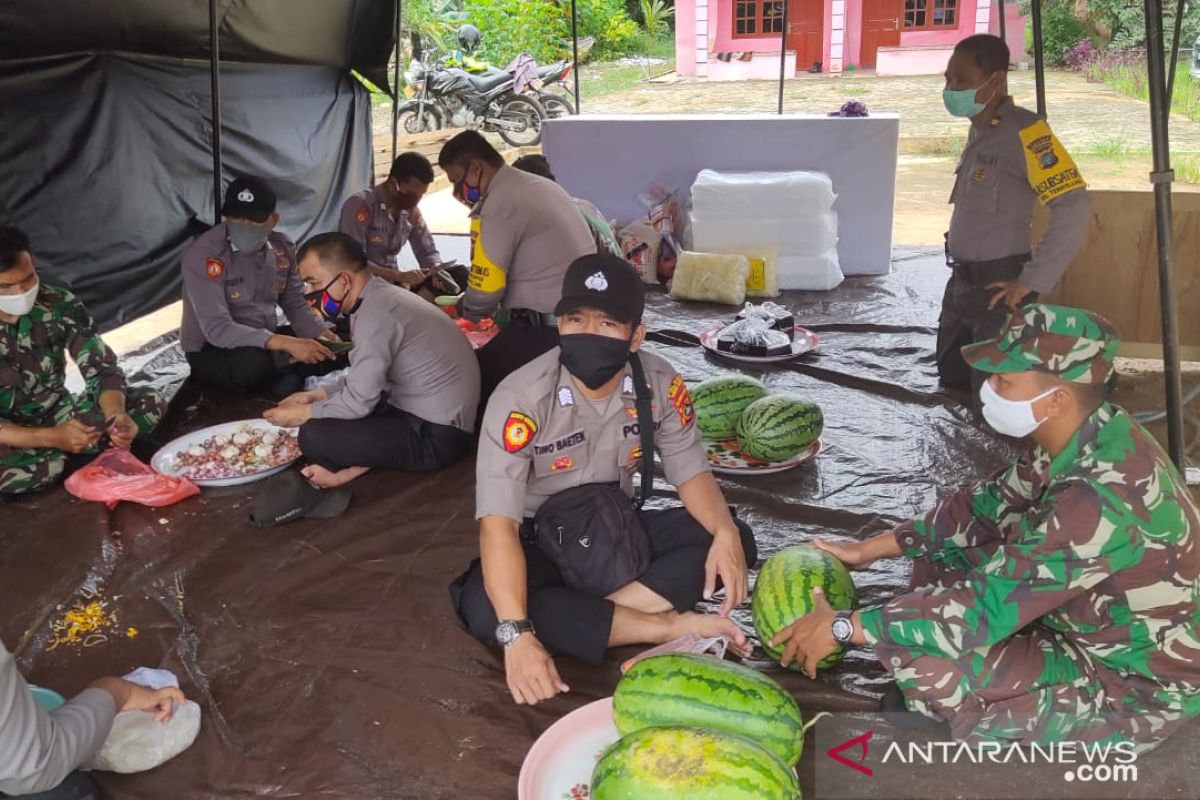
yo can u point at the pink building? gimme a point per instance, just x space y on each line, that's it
740 39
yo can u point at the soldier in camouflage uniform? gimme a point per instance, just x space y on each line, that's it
43 427
1059 599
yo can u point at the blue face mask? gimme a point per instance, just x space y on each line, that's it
962 102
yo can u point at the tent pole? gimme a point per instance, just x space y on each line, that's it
783 51
214 41
575 57
1179 13
1003 24
1161 178
396 85
1039 58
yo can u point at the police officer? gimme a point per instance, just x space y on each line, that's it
602 232
1057 599
525 232
566 420
233 277
1012 161
409 398
382 219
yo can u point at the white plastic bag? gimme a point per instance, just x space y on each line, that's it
817 273
137 743
791 235
711 277
752 194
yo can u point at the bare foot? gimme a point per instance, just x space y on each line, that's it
709 625
327 479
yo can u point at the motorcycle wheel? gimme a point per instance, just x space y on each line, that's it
528 113
412 121
556 106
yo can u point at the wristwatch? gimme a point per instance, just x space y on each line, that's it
843 627
509 630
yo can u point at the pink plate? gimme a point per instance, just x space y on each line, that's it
803 341
560 763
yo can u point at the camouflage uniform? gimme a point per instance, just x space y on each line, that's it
1060 599
33 389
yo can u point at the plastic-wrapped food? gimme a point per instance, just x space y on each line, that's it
776 316
753 336
713 277
774 229
817 273
749 195
763 280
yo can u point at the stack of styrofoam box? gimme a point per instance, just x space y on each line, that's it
790 213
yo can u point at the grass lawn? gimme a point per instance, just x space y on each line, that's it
597 79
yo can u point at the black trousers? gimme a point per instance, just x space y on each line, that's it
570 622
386 439
77 786
514 346
253 370
965 319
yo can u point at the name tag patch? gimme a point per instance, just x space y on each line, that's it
565 443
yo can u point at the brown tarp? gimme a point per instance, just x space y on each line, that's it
325 654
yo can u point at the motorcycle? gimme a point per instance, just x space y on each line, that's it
557 103
451 97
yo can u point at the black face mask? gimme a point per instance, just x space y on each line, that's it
592 358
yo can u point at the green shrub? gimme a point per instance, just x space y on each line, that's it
655 14
509 27
1061 30
615 32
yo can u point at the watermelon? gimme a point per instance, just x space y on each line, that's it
779 427
719 403
783 593
675 763
697 691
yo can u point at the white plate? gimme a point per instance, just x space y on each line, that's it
803 342
164 460
560 763
726 459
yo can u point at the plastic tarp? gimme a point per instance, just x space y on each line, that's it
108 161
325 653
349 34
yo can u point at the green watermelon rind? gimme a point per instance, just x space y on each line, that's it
706 764
779 427
783 593
697 691
719 403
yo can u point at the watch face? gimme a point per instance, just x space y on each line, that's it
842 629
506 632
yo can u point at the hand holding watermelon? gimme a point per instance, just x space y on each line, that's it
860 555
809 640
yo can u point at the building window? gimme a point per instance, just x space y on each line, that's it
930 14
758 17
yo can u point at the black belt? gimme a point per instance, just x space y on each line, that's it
527 316
983 273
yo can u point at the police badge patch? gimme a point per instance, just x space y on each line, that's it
214 268
518 431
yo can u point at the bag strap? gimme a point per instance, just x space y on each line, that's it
645 416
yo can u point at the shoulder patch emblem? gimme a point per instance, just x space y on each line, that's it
518 431
1050 169
214 268
681 399
565 396
362 216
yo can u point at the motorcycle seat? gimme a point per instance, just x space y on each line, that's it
485 83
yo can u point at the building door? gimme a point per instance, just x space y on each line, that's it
881 28
806 25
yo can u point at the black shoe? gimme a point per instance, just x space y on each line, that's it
893 704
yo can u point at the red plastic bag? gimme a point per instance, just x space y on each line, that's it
117 475
478 334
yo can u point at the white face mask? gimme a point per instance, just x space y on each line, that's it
1010 417
18 305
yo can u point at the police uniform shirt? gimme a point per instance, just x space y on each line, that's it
524 235
1007 166
411 354
366 219
541 436
229 297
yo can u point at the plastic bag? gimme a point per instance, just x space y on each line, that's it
763 280
137 743
713 277
788 235
641 244
688 643
117 475
754 336
749 195
776 316
817 273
